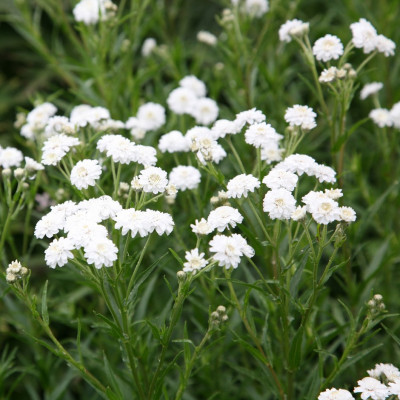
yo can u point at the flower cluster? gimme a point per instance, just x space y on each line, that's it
383 381
92 11
15 271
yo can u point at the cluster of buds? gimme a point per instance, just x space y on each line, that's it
220 200
218 317
376 305
204 146
15 271
332 74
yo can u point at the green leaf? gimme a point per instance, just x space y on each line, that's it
295 350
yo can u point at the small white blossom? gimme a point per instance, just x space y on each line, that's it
153 180
201 227
207 38
101 252
279 204
181 100
10 157
328 48
195 261
173 142
279 178
58 252
205 111
85 173
185 177
224 217
148 46
364 35
302 116
241 185
371 388
194 84
151 115
370 88
292 28
335 394
381 117
262 135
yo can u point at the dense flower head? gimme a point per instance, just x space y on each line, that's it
294 27
194 261
181 100
201 227
56 147
207 38
395 115
335 394
381 117
85 173
299 164
148 46
388 371
279 178
328 75
328 48
185 177
119 148
224 217
370 88
133 221
302 116
371 388
364 35
228 250
153 180
385 45
151 116
57 125
91 11
241 185
249 117
205 111
223 127
144 155
194 84
84 115
262 135
101 252
58 252
38 117
173 142
279 204
256 8
10 157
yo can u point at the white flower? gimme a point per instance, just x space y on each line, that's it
334 193
10 157
335 394
194 84
347 214
241 185
132 220
148 46
299 213
279 178
364 35
39 116
201 227
328 75
302 116
173 142
60 142
153 180
52 157
119 148
160 222
181 100
205 111
207 38
325 174
279 204
151 115
14 267
371 388
84 114
271 153
292 28
101 252
85 173
370 88
262 135
49 225
144 155
328 48
58 252
57 125
224 127
385 45
322 208
194 261
394 387
229 250
395 115
256 8
250 117
299 164
90 11
223 217
381 117
137 127
185 177
391 372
